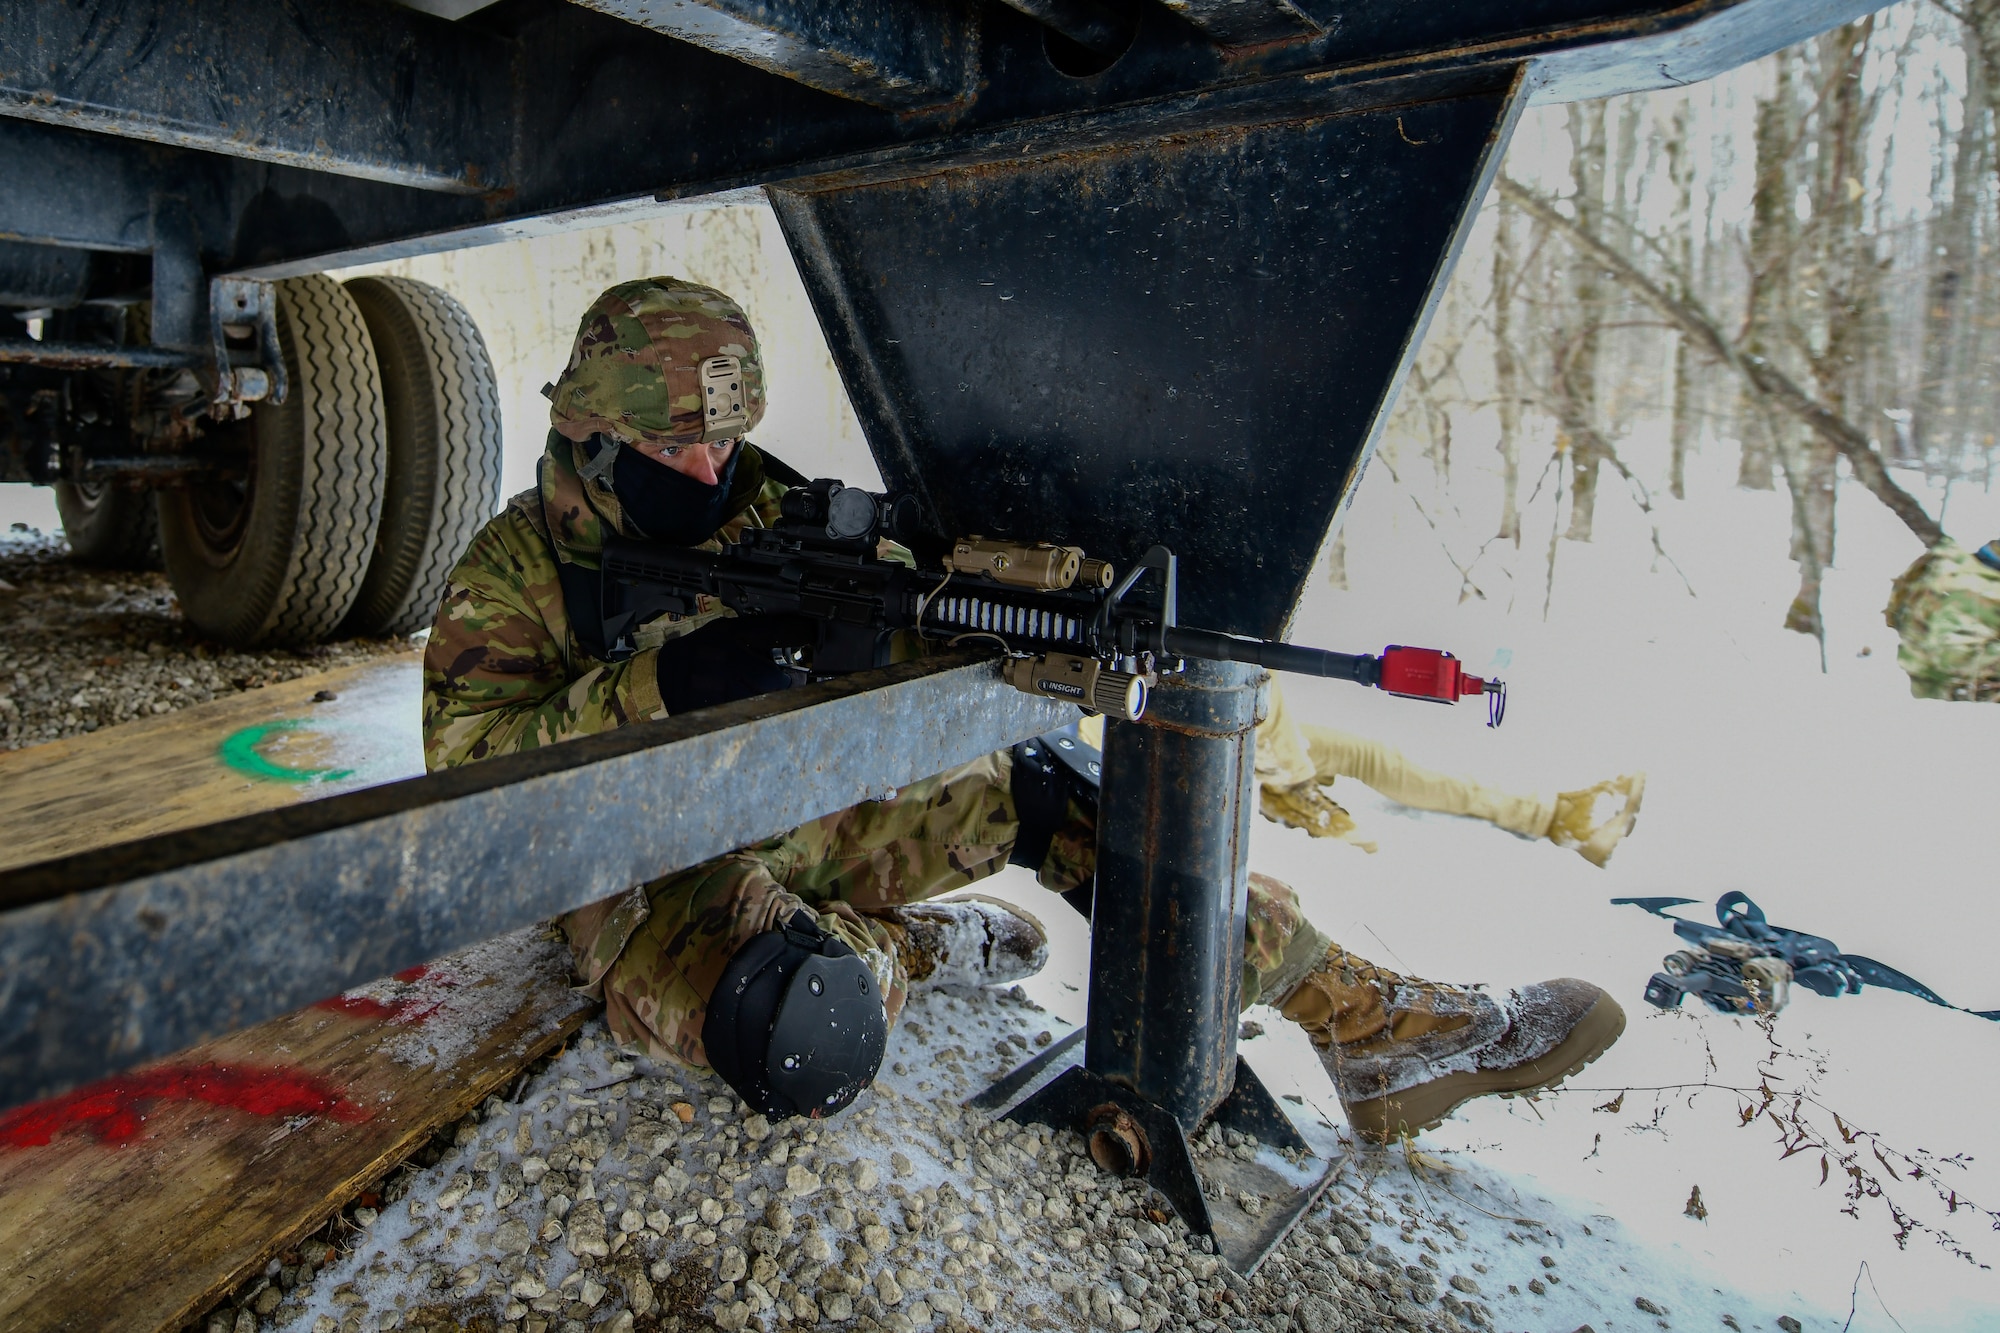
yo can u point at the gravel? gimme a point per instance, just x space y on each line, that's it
906 1214
82 648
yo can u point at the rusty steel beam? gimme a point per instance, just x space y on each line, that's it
886 53
1254 22
92 356
357 90
111 957
321 133
1173 878
1088 23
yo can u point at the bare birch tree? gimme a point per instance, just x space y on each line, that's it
1507 372
1578 345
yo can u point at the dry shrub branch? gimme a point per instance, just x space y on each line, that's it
1785 1098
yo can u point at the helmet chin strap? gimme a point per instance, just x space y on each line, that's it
607 454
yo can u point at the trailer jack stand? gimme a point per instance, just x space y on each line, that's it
1166 977
1245 1207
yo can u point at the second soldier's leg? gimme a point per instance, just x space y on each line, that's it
1590 821
1387 770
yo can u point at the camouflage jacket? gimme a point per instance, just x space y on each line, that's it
504 670
1946 608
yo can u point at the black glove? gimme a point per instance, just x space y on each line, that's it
728 659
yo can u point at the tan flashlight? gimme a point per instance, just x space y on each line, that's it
1079 680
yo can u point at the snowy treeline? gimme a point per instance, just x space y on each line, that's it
1794 259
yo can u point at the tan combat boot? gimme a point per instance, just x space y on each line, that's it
968 941
1594 819
1405 1053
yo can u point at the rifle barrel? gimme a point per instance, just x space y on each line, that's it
1359 667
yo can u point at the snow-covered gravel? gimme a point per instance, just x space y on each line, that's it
86 648
612 1194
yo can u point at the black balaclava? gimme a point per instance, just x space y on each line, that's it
667 506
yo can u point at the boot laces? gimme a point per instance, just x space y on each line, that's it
1354 970
1400 1008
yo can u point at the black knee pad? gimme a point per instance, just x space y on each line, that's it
796 1024
1050 771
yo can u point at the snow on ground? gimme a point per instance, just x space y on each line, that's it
584 1201
1842 805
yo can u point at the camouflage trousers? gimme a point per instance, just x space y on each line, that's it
657 953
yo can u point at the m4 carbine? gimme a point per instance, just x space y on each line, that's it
1072 628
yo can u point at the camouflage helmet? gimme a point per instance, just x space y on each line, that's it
661 359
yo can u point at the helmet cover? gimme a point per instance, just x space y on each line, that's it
661 359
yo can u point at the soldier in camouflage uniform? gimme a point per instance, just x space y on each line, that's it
1946 609
507 670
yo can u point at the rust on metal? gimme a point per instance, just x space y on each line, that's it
1118 1142
87 356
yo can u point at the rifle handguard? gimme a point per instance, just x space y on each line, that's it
1079 680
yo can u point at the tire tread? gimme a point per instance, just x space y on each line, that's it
346 455
437 339
317 493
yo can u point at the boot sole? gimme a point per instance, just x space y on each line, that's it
1413 1110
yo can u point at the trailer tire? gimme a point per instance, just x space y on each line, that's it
278 556
109 526
442 401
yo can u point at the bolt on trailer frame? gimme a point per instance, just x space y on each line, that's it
1101 272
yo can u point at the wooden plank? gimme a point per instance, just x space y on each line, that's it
237 755
136 1203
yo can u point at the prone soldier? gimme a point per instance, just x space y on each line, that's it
650 419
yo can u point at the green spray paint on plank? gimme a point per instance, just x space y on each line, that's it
240 751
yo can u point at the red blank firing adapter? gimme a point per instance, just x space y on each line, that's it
1429 673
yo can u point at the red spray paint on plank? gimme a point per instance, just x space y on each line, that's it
402 1009
113 1110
